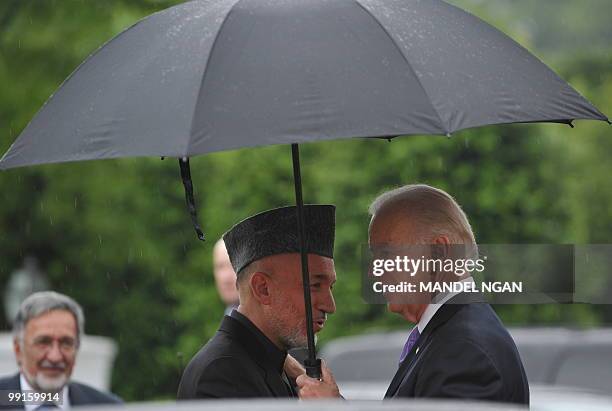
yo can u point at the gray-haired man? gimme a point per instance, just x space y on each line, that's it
46 336
458 348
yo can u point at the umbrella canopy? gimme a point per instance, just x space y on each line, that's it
207 76
216 75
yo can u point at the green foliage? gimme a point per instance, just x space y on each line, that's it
115 234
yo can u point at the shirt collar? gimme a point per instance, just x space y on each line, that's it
432 309
273 356
25 386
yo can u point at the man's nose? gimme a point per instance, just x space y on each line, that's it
54 354
326 302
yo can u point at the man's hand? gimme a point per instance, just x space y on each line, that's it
311 388
293 368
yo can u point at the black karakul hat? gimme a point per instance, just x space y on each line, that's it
276 232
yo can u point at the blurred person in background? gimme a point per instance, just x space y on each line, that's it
458 348
47 333
225 277
245 358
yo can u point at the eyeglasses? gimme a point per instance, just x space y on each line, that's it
45 343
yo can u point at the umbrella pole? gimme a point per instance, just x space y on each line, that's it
312 364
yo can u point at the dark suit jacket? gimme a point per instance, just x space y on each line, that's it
464 352
238 362
80 394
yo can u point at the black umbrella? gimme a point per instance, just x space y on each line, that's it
216 75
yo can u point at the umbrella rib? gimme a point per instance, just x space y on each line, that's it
445 128
212 49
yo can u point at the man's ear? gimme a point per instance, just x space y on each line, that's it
441 247
260 286
17 350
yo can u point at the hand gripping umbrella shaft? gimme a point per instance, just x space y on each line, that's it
312 364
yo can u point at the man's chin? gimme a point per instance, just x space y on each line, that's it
50 382
299 342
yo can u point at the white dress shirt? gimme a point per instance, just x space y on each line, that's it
432 309
25 386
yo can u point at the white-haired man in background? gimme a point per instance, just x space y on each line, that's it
47 332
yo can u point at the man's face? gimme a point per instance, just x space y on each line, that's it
225 277
287 311
390 230
47 353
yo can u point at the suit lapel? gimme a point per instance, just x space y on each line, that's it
14 385
76 395
442 316
404 367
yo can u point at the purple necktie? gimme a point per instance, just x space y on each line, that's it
412 339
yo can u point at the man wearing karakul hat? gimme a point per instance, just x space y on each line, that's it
245 358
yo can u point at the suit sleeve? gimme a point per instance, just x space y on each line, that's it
226 377
459 369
